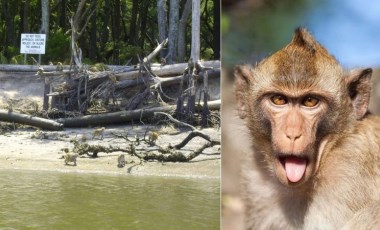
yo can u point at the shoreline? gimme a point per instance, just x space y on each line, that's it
22 151
108 173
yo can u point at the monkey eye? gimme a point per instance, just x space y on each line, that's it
279 100
310 101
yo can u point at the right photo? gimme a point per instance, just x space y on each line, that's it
300 114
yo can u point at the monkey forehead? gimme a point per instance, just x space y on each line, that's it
299 69
324 77
303 63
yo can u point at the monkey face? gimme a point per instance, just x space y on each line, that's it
294 120
291 101
295 101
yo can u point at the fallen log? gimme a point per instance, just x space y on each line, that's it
42 123
164 80
30 68
122 116
166 70
113 118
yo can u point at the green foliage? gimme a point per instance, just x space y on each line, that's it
207 54
129 51
110 38
13 51
58 47
3 59
18 59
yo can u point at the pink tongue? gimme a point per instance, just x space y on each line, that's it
295 168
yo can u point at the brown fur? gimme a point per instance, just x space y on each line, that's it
70 158
98 132
340 141
121 161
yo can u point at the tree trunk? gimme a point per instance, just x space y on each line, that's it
62 15
25 16
173 31
93 38
124 15
116 29
195 30
105 20
9 35
182 31
45 105
143 20
122 116
162 24
216 33
194 57
45 18
45 30
116 21
112 118
8 116
133 25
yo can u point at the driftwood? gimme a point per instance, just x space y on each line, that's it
121 71
194 133
94 92
165 70
124 116
42 123
153 152
112 118
29 68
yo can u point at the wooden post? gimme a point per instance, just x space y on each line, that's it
45 105
205 109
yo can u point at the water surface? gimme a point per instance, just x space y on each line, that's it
45 200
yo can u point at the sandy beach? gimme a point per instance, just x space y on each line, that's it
25 148
32 149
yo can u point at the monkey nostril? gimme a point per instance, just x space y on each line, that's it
293 137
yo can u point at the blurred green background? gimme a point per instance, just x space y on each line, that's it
349 29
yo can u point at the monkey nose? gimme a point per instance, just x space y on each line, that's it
293 136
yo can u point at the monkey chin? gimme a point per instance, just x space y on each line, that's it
293 170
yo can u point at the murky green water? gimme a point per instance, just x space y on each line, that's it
45 200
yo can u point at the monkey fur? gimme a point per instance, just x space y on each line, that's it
315 160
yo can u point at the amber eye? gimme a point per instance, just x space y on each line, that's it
310 101
279 100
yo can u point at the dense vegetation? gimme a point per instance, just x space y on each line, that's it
116 31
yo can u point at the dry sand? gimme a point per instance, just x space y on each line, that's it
21 150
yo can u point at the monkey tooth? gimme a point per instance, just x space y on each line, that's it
295 168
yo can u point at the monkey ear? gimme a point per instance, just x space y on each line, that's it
243 76
359 89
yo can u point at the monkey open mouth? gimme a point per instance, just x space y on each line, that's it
295 167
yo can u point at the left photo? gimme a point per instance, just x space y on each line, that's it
110 114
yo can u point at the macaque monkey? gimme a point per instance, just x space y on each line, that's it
113 78
163 61
59 67
315 160
121 161
70 158
98 132
83 138
153 136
